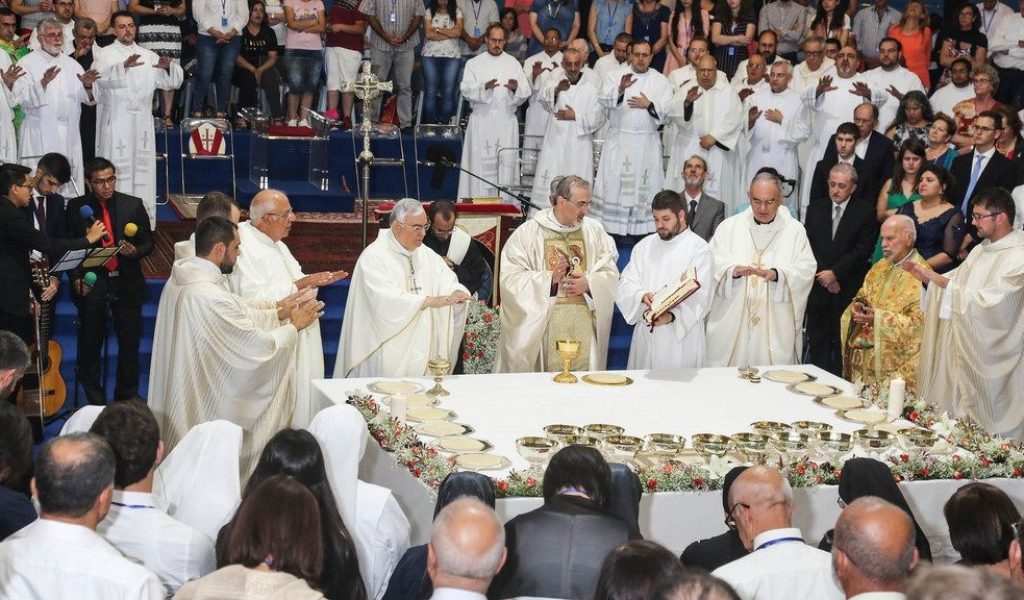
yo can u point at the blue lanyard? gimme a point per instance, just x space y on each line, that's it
779 541
611 15
477 7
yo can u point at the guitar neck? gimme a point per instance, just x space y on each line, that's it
44 330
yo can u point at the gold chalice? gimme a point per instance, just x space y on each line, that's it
439 367
568 350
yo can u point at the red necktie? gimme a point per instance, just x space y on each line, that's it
108 240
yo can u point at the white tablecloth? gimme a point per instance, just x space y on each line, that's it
502 408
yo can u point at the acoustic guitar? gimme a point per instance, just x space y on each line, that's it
43 390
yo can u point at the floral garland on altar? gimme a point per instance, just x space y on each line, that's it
987 456
480 341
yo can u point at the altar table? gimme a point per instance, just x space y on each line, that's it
504 407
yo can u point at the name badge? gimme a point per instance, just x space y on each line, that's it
476 32
393 17
732 50
223 21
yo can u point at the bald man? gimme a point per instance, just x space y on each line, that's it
466 550
267 270
873 549
780 566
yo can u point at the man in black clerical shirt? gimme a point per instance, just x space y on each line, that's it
460 251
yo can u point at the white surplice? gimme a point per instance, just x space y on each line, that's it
385 331
537 114
266 270
8 139
653 264
774 144
903 80
526 300
630 172
124 116
973 342
52 114
803 77
717 112
605 65
753 321
568 147
69 39
370 512
493 123
217 355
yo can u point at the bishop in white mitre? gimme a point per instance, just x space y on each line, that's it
129 74
495 85
973 341
894 79
674 340
558 280
568 147
57 86
537 68
708 119
630 170
405 305
764 268
8 79
217 355
266 270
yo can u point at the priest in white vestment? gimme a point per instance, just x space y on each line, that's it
212 204
537 68
266 270
129 74
494 84
217 355
576 114
894 79
764 269
807 73
8 79
405 305
973 342
777 122
558 280
838 93
674 340
709 120
753 77
630 170
52 102
684 78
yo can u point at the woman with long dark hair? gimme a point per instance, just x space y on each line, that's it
829 21
939 223
731 33
913 117
688 20
296 453
902 188
441 58
256 65
961 38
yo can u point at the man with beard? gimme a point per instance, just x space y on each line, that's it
572 101
537 67
957 90
217 355
495 85
64 12
458 249
83 46
674 339
129 74
51 94
890 75
630 168
767 44
703 213
616 59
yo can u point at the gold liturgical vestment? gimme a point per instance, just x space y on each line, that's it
571 317
890 347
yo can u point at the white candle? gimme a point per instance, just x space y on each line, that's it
897 393
398 407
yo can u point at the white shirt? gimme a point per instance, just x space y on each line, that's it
172 550
990 19
879 596
861 148
455 594
1003 42
782 567
947 96
51 560
688 198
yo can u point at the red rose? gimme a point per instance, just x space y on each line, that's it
465 356
652 484
470 345
531 482
957 475
416 473
913 415
488 317
698 482
801 469
924 471
1017 472
985 462
503 486
905 457
479 353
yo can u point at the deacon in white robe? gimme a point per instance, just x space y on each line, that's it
709 120
894 79
129 74
217 355
973 341
684 78
212 204
495 85
558 280
752 79
576 114
537 68
69 30
764 269
833 100
614 61
9 77
266 270
776 124
630 170
52 102
805 74
405 305
676 340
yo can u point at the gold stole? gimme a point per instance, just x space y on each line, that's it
571 317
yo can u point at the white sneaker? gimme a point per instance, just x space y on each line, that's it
303 123
292 123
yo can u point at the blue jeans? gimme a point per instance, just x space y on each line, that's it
303 68
211 57
440 78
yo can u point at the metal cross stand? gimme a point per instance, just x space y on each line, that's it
366 87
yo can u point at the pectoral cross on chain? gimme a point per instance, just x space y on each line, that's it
414 287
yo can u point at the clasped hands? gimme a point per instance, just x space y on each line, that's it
827 279
766 274
862 314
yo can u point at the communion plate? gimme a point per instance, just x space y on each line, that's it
862 415
481 461
428 413
414 400
839 402
810 388
607 379
780 376
395 387
442 428
461 443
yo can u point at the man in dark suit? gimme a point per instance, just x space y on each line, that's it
874 149
841 150
703 213
46 207
18 238
983 168
842 235
119 286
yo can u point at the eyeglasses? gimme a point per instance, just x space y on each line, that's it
580 203
285 214
978 216
984 128
730 518
980 80
108 181
416 228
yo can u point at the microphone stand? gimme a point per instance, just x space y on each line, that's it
521 198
